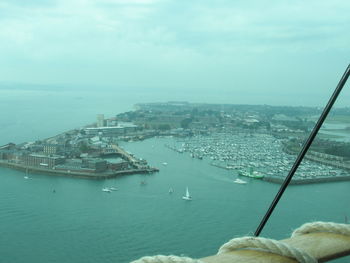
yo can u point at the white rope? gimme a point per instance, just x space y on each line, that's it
166 259
343 229
269 245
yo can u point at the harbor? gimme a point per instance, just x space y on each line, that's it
84 215
259 153
131 215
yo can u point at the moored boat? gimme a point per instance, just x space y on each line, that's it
251 173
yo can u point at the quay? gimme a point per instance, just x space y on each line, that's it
138 164
86 175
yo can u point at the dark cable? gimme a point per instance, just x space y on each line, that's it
305 148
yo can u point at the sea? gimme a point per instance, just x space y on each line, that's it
62 219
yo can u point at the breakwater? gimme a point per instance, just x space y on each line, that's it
312 156
279 180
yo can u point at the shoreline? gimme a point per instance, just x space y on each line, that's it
278 180
96 176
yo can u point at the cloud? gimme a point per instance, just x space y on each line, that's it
197 43
194 25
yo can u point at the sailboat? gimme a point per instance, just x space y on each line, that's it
187 196
26 176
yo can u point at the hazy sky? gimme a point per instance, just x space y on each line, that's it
263 49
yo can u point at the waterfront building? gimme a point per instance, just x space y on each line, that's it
99 165
43 161
74 165
100 120
117 164
52 148
121 129
8 146
11 155
112 122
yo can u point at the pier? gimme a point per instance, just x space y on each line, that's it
138 164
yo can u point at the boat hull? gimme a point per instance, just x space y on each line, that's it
254 174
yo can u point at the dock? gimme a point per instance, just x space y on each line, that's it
138 164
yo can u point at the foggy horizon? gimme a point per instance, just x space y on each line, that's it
284 55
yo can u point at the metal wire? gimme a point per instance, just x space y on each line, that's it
303 151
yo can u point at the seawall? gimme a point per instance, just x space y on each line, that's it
31 169
279 180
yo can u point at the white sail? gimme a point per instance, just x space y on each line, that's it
187 196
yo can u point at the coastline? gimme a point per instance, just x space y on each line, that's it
227 136
97 176
279 180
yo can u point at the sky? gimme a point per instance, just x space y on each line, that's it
251 51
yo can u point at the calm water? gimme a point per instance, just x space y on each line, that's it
80 223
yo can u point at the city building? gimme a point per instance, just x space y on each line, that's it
43 161
52 148
99 165
100 120
121 129
117 164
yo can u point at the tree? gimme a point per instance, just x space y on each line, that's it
186 122
164 127
84 147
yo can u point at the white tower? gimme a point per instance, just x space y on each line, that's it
100 120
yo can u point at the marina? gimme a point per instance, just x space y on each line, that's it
256 155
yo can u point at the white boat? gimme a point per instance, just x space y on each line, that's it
106 190
113 188
239 181
26 176
187 195
165 164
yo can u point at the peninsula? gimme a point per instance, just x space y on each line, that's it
259 138
90 152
